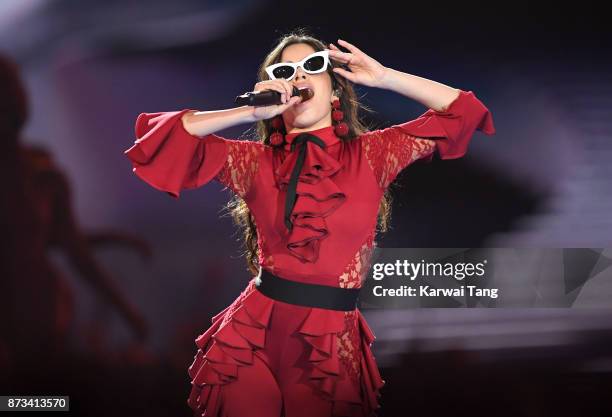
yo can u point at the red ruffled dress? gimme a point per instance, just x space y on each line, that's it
309 351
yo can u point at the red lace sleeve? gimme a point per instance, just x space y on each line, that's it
448 133
388 151
170 159
241 165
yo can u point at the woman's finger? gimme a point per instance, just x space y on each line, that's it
346 74
288 88
267 85
344 57
282 107
341 56
349 46
283 89
278 86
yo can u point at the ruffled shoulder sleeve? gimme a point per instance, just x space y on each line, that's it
170 159
446 133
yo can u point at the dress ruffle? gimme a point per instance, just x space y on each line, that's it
240 330
317 197
169 158
320 330
237 332
371 380
452 129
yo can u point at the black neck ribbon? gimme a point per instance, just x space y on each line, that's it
300 140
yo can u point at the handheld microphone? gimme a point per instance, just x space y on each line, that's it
270 97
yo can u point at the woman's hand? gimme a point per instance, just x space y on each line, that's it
283 87
364 69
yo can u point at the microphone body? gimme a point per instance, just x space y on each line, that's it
270 97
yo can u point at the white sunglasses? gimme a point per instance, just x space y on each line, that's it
313 64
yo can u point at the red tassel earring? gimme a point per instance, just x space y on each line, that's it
341 128
277 138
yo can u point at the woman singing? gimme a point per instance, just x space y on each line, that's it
311 194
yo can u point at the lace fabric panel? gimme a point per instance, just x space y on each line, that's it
348 340
390 150
266 261
241 165
355 272
349 347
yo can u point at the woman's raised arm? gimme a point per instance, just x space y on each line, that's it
177 150
446 127
202 123
447 133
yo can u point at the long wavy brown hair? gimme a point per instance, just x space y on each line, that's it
350 106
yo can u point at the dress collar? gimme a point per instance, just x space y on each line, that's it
327 134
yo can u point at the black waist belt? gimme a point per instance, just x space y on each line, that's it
308 295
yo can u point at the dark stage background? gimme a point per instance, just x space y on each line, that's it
544 180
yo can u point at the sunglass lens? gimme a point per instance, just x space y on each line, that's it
284 71
314 64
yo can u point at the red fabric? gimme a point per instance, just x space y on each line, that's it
455 126
169 158
318 195
447 134
339 191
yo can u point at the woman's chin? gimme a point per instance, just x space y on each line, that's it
304 120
